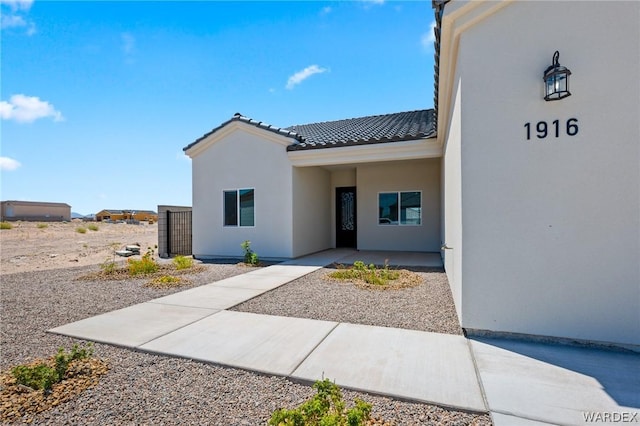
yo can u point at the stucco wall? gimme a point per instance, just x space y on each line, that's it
242 160
551 227
414 175
452 200
311 210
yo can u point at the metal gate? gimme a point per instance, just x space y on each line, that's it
179 233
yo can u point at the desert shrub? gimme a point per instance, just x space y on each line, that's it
166 281
39 376
146 265
109 266
42 226
43 376
250 257
183 262
81 230
93 227
63 359
6 225
326 408
367 273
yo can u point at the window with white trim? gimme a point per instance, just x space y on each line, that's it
400 208
239 207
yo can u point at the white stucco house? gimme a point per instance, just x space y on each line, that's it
533 203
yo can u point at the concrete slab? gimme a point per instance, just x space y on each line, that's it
428 367
255 282
284 271
500 419
323 258
395 258
269 344
555 383
134 325
210 296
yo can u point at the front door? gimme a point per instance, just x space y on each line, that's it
346 217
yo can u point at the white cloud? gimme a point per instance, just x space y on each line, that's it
26 109
300 76
8 164
368 3
326 10
18 4
429 38
11 19
128 43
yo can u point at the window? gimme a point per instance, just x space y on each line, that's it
400 208
239 207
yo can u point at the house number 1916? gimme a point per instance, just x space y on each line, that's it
543 129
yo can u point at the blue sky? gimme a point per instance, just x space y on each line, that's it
99 98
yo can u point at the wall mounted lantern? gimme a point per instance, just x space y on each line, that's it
556 80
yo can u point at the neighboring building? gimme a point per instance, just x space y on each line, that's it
35 211
535 204
115 215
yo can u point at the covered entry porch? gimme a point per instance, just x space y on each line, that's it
376 206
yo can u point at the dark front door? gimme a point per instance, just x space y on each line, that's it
346 217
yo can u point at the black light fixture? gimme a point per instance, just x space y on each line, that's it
556 80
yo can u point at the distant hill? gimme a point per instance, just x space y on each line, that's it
75 215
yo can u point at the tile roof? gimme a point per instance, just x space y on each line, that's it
438 9
396 127
239 117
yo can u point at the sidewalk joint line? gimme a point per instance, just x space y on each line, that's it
179 328
485 401
313 350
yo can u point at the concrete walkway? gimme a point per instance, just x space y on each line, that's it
520 383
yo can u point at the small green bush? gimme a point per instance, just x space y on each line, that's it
144 266
39 376
63 359
6 225
369 274
326 408
183 262
42 226
81 230
250 257
167 279
93 227
109 266
43 376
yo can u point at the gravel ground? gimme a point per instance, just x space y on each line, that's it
427 307
142 388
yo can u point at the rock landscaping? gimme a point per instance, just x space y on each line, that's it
130 387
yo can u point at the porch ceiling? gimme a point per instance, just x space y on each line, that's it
406 150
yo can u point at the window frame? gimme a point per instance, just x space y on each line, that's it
399 212
237 207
